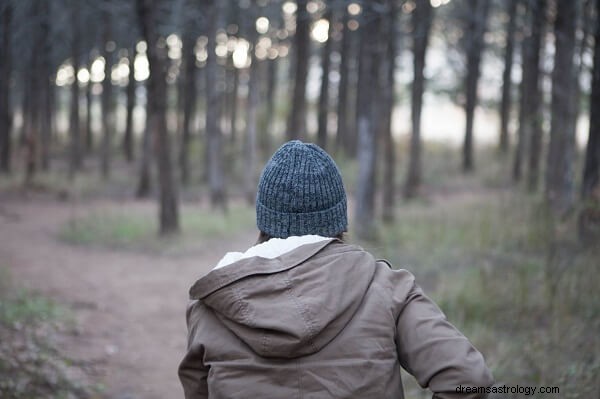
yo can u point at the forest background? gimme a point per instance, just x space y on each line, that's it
133 132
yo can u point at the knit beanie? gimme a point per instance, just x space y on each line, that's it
301 192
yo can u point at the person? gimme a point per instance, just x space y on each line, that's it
303 314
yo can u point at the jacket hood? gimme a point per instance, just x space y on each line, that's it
291 305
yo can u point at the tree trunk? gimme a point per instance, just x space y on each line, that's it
157 87
506 76
74 128
367 141
475 33
189 101
342 106
422 18
89 134
297 121
324 94
590 187
251 121
214 151
5 72
533 112
266 137
107 99
130 92
387 83
559 169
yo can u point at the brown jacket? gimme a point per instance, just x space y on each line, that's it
322 321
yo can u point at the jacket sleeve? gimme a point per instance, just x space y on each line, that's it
434 351
192 371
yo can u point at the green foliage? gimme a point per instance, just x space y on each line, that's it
137 229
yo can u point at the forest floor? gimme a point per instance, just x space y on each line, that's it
128 306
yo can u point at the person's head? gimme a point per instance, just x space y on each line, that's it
300 192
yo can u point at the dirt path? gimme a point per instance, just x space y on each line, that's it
129 307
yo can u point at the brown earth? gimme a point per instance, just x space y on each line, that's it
129 307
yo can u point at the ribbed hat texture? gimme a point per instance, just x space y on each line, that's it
301 192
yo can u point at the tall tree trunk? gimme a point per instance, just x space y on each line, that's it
157 87
130 93
422 18
297 120
144 187
475 33
324 94
387 83
506 76
533 112
251 120
214 153
590 187
266 137
89 134
189 102
74 125
559 169
342 105
5 72
107 98
367 140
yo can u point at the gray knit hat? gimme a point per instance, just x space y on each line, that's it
301 192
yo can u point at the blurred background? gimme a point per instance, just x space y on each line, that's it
133 133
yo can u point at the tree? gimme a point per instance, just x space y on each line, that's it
157 85
324 93
476 26
251 115
107 92
506 75
591 170
5 73
130 92
531 111
367 140
422 17
297 120
387 82
74 125
189 101
213 110
341 137
559 164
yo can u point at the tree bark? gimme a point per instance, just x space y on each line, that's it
157 87
422 17
387 84
107 98
590 187
74 125
251 120
324 93
130 92
505 102
533 112
475 44
189 101
5 73
559 167
367 140
342 105
297 120
214 154
266 138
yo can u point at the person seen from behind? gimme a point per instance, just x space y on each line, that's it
303 314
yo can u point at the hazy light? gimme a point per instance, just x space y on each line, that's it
261 53
83 75
312 7
273 53
141 47
408 7
282 34
435 3
97 70
320 30
289 7
262 25
65 75
283 51
354 9
141 68
221 50
240 54
175 45
353 24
